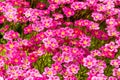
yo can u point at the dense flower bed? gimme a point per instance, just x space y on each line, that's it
59 39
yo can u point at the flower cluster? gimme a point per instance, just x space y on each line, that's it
74 32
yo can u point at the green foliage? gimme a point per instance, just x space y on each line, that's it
96 43
108 70
117 54
43 61
81 75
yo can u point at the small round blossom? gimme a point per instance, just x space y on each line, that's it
73 69
111 46
68 11
67 57
89 62
85 41
49 72
112 78
50 42
111 21
10 35
78 5
115 63
116 72
97 16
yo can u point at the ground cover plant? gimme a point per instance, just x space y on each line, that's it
59 39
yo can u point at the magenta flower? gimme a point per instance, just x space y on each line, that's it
54 78
10 35
52 7
50 42
50 33
78 5
111 21
67 57
68 11
117 41
116 72
49 72
2 19
57 66
112 78
97 16
47 22
115 63
95 53
73 69
62 32
113 32
40 5
11 45
37 27
93 26
89 62
16 60
112 47
57 16
32 58
28 29
85 41
101 7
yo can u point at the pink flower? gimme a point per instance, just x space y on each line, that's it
1 47
101 7
57 66
97 16
111 21
112 78
98 78
101 63
49 72
28 12
58 58
67 57
68 11
89 62
62 32
79 23
93 26
37 27
11 45
52 7
73 69
47 22
50 33
28 29
116 72
32 58
112 47
115 63
50 42
2 19
118 41
95 53
78 5
10 35
85 41
57 16
75 51
40 5
113 32
99 34
16 60
54 78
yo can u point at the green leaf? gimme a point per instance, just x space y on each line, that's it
43 61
